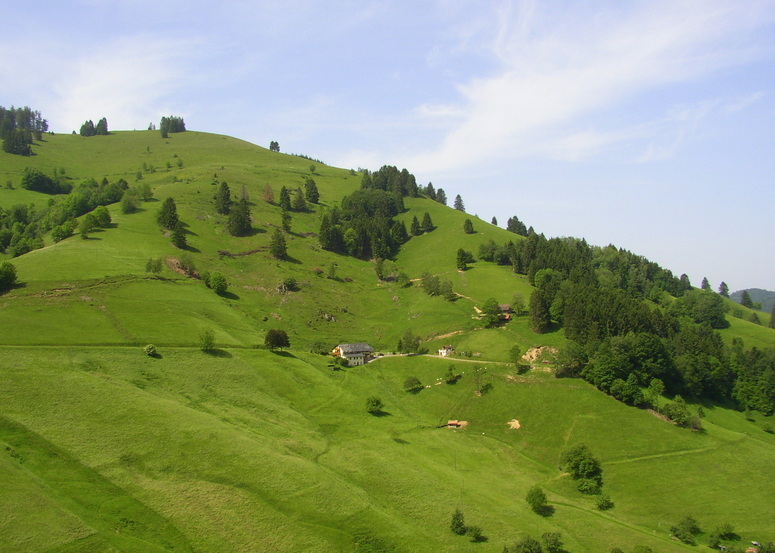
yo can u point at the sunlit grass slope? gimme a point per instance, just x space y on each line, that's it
105 449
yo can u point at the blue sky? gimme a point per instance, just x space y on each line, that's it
648 125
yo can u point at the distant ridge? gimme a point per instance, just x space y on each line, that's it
765 297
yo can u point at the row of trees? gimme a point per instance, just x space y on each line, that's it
171 124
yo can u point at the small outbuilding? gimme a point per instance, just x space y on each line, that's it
354 354
446 351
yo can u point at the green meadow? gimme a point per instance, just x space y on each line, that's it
103 448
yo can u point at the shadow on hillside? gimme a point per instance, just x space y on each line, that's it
220 353
380 413
282 353
190 248
229 295
293 260
400 441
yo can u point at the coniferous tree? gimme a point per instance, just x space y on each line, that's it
168 215
179 237
223 199
427 224
415 229
494 222
430 191
705 284
459 203
277 246
311 190
540 320
285 199
102 127
87 129
745 300
274 146
286 221
299 203
723 289
457 524
772 317
239 223
441 196
468 226
268 194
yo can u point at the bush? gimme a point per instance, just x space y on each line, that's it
207 340
412 384
604 502
7 275
150 350
588 486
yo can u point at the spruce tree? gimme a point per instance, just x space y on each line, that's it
239 223
468 226
311 191
441 196
415 227
745 300
723 289
705 284
277 246
427 224
457 524
223 199
168 215
285 199
459 205
299 203
540 320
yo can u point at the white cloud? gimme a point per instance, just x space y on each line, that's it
126 81
558 67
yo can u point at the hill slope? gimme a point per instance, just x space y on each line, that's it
242 449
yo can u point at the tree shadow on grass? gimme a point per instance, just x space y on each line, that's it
290 259
190 248
229 295
380 413
545 510
282 353
217 352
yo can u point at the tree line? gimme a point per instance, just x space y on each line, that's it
635 325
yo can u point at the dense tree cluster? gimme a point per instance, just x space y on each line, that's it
390 179
171 124
22 227
18 128
628 332
274 146
365 227
90 129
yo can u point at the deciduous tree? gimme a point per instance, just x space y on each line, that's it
276 339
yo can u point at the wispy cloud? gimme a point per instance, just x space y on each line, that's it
556 68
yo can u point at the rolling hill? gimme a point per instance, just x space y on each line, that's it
103 448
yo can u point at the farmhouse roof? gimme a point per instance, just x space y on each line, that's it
360 347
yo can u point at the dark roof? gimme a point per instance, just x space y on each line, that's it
361 347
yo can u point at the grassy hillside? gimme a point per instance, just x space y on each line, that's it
103 448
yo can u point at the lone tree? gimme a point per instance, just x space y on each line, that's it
277 246
239 223
223 199
745 300
458 523
274 146
459 205
207 340
468 226
168 215
374 405
412 384
276 339
7 275
723 289
463 259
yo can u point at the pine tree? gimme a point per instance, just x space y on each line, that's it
459 203
311 190
494 222
239 223
299 203
277 246
285 199
540 320
457 524
705 284
427 224
415 227
102 127
179 237
723 289
168 215
441 196
745 300
223 199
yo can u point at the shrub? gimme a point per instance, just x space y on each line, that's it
604 502
374 405
207 340
150 350
412 384
457 524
